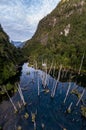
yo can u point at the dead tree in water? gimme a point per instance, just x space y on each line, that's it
81 63
80 98
50 68
44 76
69 108
10 100
21 94
54 89
67 92
38 86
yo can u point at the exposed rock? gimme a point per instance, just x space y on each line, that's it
67 29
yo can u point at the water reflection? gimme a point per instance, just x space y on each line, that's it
48 113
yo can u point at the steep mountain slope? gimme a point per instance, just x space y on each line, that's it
9 57
61 36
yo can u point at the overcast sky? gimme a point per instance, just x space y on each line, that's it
20 18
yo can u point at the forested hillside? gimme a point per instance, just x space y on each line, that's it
61 36
10 57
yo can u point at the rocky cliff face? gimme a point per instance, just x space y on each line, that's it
61 35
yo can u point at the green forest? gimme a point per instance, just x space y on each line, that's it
60 38
51 41
10 57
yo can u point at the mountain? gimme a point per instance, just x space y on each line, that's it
10 56
18 43
61 36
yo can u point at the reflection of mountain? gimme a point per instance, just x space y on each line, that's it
61 36
18 43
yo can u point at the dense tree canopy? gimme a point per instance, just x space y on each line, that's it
61 36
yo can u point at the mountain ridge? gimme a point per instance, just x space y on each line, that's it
10 56
61 35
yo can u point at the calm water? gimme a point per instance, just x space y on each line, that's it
50 112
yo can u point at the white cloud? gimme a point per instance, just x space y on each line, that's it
20 17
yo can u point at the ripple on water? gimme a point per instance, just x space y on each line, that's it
50 112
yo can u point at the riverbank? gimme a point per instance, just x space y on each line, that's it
66 104
10 84
67 73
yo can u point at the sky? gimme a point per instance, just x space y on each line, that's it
20 18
